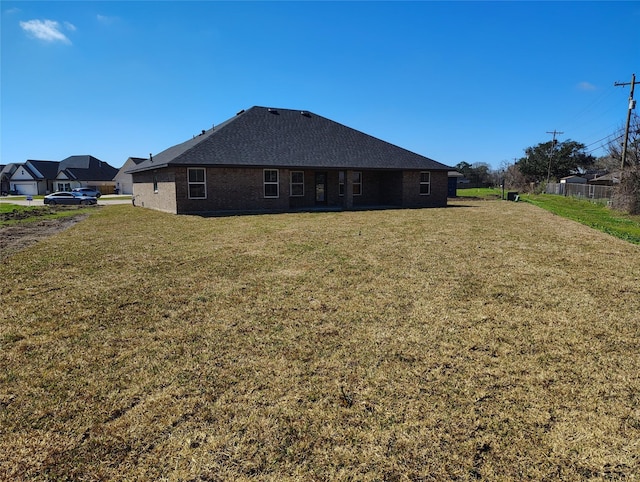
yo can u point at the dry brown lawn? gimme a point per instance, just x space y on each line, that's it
489 340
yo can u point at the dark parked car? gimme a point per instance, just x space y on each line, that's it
86 191
69 198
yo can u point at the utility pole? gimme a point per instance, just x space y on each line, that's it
553 146
632 104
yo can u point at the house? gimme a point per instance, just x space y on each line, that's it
124 180
591 174
33 177
573 180
608 179
278 160
6 171
85 171
42 177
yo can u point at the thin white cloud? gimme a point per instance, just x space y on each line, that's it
105 20
47 30
586 86
11 11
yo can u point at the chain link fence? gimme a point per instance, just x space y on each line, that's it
585 191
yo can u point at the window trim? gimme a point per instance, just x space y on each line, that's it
197 183
275 183
292 184
359 183
425 183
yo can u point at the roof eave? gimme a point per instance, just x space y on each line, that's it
288 166
147 168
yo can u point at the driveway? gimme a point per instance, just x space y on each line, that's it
104 200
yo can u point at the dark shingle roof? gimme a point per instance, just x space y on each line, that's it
48 169
288 138
9 169
87 168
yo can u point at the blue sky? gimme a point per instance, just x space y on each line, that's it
454 81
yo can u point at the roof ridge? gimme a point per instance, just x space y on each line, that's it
205 134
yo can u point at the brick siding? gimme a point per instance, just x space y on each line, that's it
242 190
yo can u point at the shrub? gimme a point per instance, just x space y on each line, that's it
626 195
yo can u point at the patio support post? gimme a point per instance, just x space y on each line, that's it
348 190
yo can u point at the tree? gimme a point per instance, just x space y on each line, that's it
614 147
463 167
513 178
554 160
607 163
482 173
479 174
626 195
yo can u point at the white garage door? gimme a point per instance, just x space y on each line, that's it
26 187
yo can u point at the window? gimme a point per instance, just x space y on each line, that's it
64 186
357 183
297 183
155 183
196 182
271 183
341 183
425 183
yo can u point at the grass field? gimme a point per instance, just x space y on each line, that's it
488 193
595 215
486 340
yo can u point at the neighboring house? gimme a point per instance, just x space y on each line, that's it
85 171
43 177
5 177
124 180
607 179
276 160
591 174
573 180
33 177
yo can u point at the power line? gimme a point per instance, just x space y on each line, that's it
605 138
592 112
588 119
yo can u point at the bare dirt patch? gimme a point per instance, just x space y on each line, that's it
19 236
